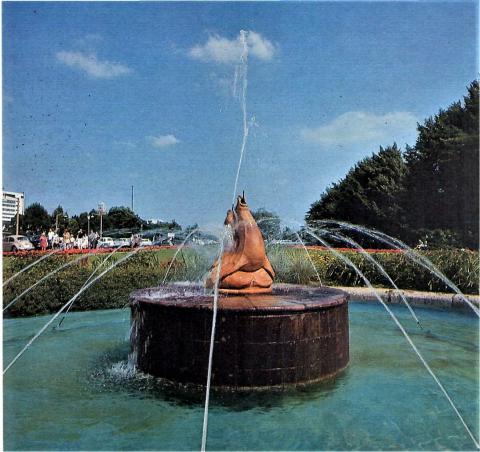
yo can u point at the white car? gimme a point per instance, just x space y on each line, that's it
121 242
17 243
146 242
105 242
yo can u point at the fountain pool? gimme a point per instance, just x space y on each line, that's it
76 391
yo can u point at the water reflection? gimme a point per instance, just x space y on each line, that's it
111 372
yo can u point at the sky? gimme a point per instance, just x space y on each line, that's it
100 96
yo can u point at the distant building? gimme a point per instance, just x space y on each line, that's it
11 202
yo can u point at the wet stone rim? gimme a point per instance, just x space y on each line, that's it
293 298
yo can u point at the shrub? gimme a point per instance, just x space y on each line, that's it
148 268
144 269
291 265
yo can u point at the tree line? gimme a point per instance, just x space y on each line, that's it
119 220
427 194
36 220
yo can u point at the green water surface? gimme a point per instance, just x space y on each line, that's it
73 390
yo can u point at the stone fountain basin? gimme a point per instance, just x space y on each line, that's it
294 336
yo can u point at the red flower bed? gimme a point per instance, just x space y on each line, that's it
85 251
355 250
160 247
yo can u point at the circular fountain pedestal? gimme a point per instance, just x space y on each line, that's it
295 335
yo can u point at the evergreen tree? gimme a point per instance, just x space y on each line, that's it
442 183
433 192
59 219
121 218
73 226
268 223
368 195
36 218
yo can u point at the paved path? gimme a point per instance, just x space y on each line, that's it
414 297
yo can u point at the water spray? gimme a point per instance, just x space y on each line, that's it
242 74
402 329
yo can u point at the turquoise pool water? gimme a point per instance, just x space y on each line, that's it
72 390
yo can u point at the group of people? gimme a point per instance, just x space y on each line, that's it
68 240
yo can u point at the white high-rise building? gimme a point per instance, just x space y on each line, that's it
11 202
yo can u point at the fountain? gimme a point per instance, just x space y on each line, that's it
268 336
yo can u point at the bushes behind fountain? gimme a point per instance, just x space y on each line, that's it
148 269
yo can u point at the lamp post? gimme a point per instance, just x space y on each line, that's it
18 218
101 210
56 220
88 224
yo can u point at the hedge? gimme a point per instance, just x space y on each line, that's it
147 268
460 266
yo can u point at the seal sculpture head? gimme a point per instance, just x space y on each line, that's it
245 267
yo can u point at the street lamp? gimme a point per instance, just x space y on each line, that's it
56 220
88 224
101 210
17 228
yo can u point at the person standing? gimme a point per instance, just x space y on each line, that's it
51 234
136 241
66 239
55 241
91 239
79 240
43 241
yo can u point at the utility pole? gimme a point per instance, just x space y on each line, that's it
101 210
18 217
132 198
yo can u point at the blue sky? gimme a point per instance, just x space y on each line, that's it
101 96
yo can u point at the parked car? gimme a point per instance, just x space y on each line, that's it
35 241
283 242
121 242
105 242
146 242
158 239
17 243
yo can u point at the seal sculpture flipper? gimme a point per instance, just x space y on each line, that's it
268 267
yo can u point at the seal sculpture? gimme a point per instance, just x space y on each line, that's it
244 268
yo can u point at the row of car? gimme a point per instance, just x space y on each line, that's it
109 242
14 243
31 242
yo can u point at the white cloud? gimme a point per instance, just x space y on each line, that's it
223 50
361 127
259 46
92 65
163 141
